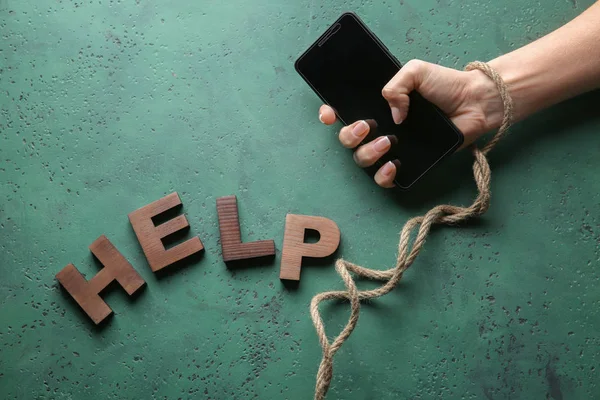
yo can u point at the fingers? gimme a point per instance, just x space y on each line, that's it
368 154
351 135
365 156
396 91
385 175
326 115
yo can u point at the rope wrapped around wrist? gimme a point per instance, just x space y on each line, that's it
442 214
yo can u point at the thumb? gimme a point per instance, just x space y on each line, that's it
396 91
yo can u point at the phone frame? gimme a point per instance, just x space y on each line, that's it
324 37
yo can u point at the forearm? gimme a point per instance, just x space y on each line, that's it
556 67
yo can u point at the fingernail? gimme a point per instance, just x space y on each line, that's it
396 116
388 168
382 144
360 128
321 117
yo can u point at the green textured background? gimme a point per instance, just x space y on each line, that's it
108 105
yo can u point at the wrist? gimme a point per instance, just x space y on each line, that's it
519 81
487 97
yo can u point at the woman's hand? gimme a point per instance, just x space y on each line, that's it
469 99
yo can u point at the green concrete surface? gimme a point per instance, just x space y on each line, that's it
108 105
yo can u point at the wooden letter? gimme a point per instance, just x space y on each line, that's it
231 237
294 247
150 236
86 293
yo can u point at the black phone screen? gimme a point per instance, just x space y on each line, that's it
348 67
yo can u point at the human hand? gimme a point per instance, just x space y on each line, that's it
470 99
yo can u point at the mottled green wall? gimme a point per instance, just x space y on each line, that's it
108 105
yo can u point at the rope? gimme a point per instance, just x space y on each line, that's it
442 214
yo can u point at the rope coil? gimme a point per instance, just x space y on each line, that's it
442 214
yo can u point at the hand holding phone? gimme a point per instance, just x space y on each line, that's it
348 67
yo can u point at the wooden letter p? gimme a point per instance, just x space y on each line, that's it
294 247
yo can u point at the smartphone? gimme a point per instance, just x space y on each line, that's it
347 67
